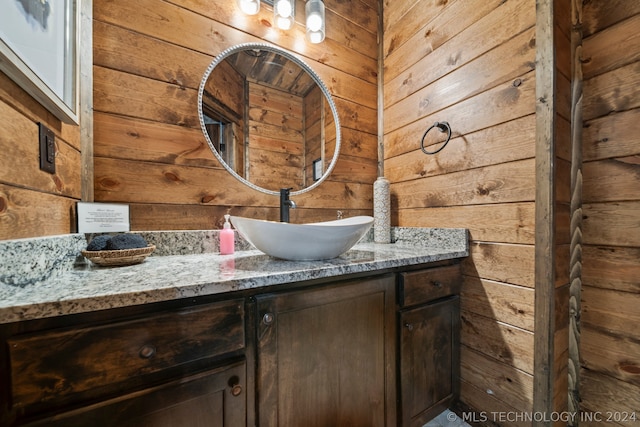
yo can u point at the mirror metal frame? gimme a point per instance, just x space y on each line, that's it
275 49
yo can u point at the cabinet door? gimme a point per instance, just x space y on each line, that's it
326 356
429 346
214 398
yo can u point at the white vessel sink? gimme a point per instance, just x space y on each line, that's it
303 242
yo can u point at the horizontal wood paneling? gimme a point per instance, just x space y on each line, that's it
34 203
144 140
612 224
466 63
611 180
610 310
503 183
493 410
149 59
508 263
501 381
608 93
610 375
21 217
425 27
502 143
612 136
473 66
602 57
612 267
604 398
505 303
599 16
505 223
616 355
508 101
508 344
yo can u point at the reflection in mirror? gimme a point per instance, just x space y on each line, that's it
269 118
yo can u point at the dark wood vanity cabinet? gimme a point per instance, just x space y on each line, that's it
326 356
183 366
370 350
429 336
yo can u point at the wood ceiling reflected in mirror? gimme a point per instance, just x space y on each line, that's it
269 119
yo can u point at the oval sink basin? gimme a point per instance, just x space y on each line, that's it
303 242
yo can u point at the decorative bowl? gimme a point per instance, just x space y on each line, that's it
118 257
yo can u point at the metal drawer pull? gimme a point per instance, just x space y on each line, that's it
436 284
147 351
268 318
409 326
234 383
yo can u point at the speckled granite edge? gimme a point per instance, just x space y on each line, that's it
26 262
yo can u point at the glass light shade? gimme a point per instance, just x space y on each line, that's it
250 7
315 20
284 13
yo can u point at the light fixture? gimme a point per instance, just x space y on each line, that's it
250 7
284 13
315 20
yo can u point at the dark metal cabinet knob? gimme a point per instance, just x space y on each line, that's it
268 318
147 351
236 390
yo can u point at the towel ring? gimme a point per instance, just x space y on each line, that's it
442 127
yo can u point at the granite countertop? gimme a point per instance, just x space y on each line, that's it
46 277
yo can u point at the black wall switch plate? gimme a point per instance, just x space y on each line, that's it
47 149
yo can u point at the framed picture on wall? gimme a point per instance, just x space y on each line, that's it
38 50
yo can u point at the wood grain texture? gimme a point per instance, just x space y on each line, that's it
507 344
611 213
511 386
104 355
150 57
19 218
24 212
492 408
509 304
601 407
309 374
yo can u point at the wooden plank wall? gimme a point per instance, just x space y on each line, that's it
32 202
276 142
471 63
610 339
149 57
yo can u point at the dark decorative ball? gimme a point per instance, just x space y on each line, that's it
126 241
98 243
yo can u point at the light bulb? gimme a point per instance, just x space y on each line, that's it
284 12
315 20
283 8
250 7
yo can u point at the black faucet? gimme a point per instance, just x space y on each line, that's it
285 204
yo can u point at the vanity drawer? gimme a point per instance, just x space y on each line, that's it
57 366
418 287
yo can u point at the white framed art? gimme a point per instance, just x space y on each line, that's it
39 51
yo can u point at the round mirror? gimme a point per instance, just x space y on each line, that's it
269 119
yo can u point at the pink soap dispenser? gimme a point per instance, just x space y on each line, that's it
227 238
